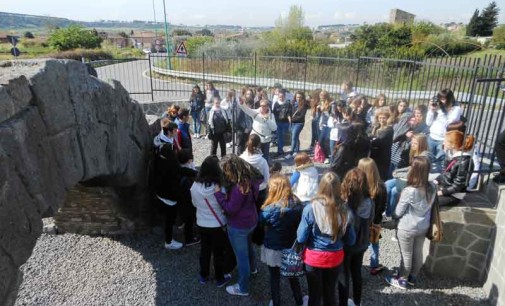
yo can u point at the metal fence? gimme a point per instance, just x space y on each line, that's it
475 81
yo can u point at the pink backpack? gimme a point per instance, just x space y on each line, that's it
319 156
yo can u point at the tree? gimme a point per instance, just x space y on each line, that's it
499 37
488 19
182 32
28 35
75 36
123 34
204 32
473 25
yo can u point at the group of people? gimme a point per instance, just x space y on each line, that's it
381 158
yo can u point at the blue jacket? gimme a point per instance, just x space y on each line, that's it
184 135
281 224
308 233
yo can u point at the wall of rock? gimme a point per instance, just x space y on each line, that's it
58 127
468 238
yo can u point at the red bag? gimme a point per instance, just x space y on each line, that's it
319 156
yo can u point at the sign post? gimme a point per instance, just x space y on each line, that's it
181 50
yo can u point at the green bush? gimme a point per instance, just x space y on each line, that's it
78 54
75 36
499 37
446 44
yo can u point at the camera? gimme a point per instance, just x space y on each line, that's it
435 101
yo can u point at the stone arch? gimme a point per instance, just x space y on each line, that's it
60 126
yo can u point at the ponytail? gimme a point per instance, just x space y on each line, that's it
253 143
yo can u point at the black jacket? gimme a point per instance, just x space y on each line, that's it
381 150
282 112
197 102
167 173
299 115
454 179
380 204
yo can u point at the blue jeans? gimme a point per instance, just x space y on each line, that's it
265 150
207 111
437 151
374 254
332 145
197 126
240 240
282 128
393 196
296 129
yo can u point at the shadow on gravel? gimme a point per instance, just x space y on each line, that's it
413 297
176 275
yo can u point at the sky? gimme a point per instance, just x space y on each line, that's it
250 13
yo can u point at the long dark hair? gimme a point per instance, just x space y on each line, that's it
210 172
448 95
237 171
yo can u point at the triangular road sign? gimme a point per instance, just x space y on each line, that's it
181 49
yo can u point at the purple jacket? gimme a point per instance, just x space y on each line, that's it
240 209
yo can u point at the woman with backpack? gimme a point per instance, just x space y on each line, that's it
325 229
238 200
280 215
211 222
414 213
356 194
219 124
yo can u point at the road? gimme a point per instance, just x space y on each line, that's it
134 76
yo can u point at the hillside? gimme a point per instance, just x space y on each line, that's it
23 21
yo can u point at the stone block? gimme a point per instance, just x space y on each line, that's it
480 216
452 231
460 252
480 246
476 260
443 250
449 266
470 273
479 230
452 215
466 239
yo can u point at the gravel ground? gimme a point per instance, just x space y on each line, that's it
135 270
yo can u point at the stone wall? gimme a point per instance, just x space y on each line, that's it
495 283
468 238
60 126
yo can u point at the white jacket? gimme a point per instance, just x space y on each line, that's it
438 125
263 127
308 183
204 216
260 163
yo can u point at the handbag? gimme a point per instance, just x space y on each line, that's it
435 231
203 116
292 262
319 156
375 232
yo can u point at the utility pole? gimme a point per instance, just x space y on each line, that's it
167 44
155 23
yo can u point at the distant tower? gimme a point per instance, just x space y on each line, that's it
399 16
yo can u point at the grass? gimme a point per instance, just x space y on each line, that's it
482 53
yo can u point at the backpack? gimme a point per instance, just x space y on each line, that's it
362 227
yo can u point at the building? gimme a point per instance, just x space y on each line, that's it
399 16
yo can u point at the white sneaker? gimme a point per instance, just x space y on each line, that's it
305 300
350 302
288 156
326 161
228 145
235 290
196 136
174 245
205 137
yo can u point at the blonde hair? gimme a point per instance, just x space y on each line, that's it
369 166
325 102
422 145
279 191
335 209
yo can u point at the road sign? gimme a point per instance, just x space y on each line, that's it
13 39
15 52
181 49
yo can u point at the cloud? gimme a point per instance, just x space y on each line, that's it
337 15
350 15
